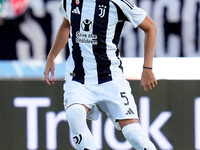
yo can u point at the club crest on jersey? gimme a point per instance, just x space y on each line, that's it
102 9
77 2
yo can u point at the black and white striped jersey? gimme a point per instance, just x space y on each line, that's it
96 26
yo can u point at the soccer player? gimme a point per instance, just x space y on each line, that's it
94 71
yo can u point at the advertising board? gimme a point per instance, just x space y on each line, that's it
32 116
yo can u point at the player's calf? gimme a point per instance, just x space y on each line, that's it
135 136
82 137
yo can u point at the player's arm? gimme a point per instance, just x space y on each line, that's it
148 80
60 41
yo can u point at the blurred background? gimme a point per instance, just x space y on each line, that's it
31 113
28 28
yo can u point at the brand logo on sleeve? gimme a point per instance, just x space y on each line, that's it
129 3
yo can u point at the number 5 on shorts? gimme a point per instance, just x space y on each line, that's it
124 96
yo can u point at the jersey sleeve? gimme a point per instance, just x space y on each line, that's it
62 9
134 14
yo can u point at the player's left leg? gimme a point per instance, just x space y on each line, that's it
118 102
134 134
116 95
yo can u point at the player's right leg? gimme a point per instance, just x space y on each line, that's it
82 137
79 103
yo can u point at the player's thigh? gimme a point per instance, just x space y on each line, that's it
125 122
118 102
77 93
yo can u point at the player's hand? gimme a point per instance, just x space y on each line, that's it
148 80
50 67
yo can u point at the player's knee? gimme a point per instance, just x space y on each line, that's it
76 115
135 136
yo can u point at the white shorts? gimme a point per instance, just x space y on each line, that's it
114 98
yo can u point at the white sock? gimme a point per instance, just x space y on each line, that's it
136 137
82 137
